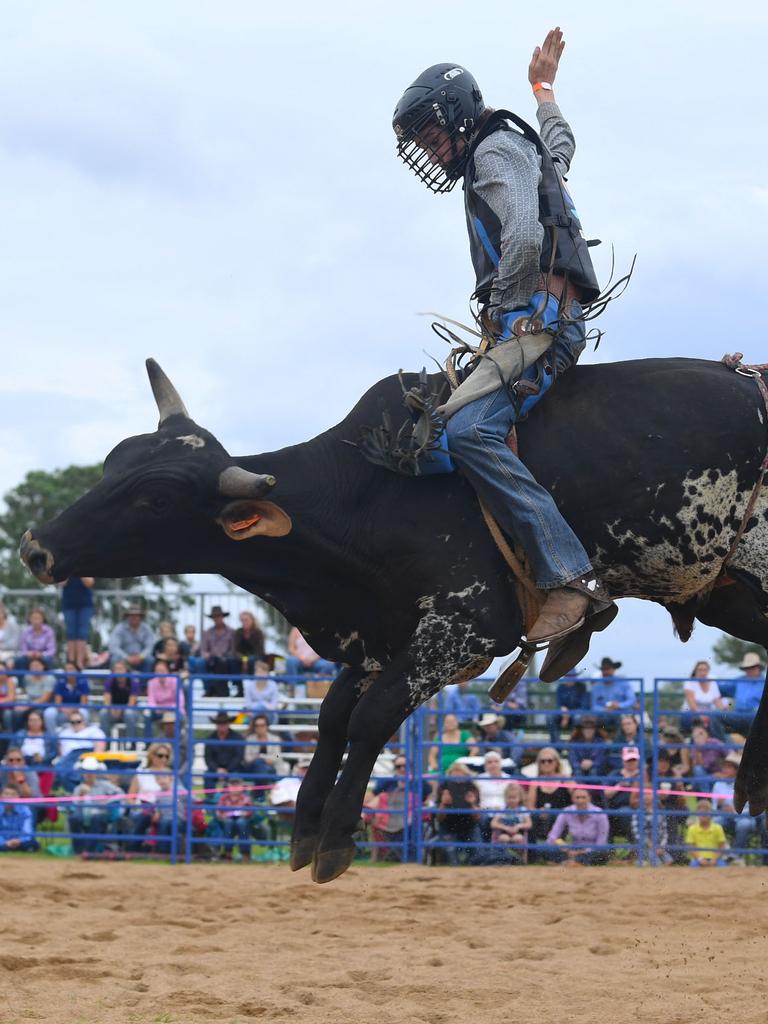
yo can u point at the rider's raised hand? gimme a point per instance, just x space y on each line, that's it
543 66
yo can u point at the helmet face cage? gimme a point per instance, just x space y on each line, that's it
435 146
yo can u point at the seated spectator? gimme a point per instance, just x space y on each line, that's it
171 654
249 642
15 772
9 636
154 778
75 737
164 693
492 732
121 696
217 648
572 697
77 609
261 745
131 641
611 695
588 753
71 689
641 828
36 744
702 698
748 691
223 751
740 826
176 739
674 743
510 827
97 815
458 701
669 800
388 820
706 755
617 795
706 839
234 813
282 797
492 783
548 795
262 694
454 743
7 709
458 819
190 649
627 735
37 640
302 659
17 826
583 823
38 684
165 631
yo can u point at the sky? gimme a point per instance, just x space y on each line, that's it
215 185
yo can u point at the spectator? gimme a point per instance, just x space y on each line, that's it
740 826
617 795
146 785
584 824
494 735
36 744
7 709
571 697
249 642
628 735
670 802
610 694
262 695
9 636
171 654
132 641
588 753
641 828
14 772
674 743
458 818
74 737
510 827
748 691
77 609
217 648
706 755
453 744
548 794
705 839
262 745
234 813
492 783
164 692
71 690
458 701
37 640
388 822
38 684
223 751
702 698
121 695
190 649
302 659
165 631
97 815
17 828
176 740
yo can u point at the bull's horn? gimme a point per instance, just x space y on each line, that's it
167 397
236 482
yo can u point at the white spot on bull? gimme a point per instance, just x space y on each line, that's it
473 590
760 414
192 440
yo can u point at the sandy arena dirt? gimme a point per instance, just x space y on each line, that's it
145 943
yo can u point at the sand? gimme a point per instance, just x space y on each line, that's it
142 943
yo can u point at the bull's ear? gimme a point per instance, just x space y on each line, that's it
242 520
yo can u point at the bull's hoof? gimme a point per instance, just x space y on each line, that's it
302 852
329 864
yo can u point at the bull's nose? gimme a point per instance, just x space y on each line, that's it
37 559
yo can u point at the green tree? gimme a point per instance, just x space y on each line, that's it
39 497
729 650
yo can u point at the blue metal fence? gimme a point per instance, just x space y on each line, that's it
645 809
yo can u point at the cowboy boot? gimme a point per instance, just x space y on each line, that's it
566 609
565 653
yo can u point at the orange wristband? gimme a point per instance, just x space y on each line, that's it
538 86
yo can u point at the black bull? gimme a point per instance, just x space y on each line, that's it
652 462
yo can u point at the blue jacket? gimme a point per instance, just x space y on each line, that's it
618 691
16 822
748 694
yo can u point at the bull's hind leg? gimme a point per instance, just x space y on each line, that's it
737 610
335 711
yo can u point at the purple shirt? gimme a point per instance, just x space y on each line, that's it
44 641
590 827
215 644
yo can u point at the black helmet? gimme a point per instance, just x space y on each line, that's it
433 122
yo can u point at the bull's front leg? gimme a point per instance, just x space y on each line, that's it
335 711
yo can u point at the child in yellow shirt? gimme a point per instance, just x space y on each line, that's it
708 834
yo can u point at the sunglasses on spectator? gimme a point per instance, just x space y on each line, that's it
400 765
76 721
163 757
547 760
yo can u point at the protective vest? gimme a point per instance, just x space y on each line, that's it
557 216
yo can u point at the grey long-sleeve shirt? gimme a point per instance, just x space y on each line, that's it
507 173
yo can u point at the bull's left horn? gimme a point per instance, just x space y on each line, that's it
236 482
167 397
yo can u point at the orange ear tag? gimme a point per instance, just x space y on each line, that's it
243 524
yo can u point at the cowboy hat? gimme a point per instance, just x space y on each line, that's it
751 660
490 719
610 663
217 610
221 718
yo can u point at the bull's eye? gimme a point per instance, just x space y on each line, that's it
159 504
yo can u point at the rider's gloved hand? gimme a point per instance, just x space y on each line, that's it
546 316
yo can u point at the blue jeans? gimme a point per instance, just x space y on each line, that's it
523 508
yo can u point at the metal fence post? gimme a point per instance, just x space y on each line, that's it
641 794
655 775
188 772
